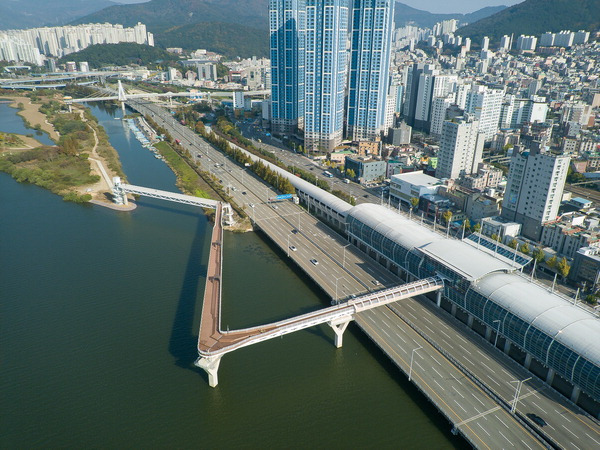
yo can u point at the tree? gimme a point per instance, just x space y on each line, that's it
477 227
447 216
467 224
538 254
525 248
551 262
513 244
350 173
563 267
495 237
414 202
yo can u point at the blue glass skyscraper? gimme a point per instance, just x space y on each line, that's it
372 25
325 73
287 27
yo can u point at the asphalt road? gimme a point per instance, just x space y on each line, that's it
567 424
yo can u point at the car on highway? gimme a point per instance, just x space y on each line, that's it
275 206
294 231
375 282
292 248
537 419
243 192
346 180
314 261
251 205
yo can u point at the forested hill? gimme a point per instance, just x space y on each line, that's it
534 17
120 54
231 27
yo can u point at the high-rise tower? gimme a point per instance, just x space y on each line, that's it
325 73
287 23
371 31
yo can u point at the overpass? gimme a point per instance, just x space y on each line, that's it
213 342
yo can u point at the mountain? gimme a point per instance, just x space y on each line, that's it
18 14
121 54
159 15
404 14
230 41
534 17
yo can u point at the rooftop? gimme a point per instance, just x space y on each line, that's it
417 178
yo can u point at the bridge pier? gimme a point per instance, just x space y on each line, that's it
228 214
339 326
211 367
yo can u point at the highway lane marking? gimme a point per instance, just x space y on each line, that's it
560 414
468 360
385 332
401 338
440 375
486 366
476 398
441 387
502 422
525 444
569 431
592 439
445 334
571 442
501 434
436 360
456 390
484 430
460 406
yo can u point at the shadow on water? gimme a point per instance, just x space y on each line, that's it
161 207
183 341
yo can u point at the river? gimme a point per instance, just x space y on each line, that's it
98 321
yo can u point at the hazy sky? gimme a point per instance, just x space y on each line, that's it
456 6
434 6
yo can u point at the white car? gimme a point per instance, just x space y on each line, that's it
292 248
314 261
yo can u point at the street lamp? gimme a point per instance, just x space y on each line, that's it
411 361
344 259
497 332
517 393
336 284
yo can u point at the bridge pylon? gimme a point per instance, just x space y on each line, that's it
119 194
228 214
121 94
339 326
210 364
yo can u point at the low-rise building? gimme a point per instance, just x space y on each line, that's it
366 170
586 267
568 235
406 186
500 227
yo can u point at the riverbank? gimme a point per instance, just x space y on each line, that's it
79 167
15 142
32 116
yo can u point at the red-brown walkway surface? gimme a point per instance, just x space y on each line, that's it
210 337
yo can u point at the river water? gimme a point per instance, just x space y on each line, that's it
98 322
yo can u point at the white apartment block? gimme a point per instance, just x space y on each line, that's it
526 43
564 39
486 105
461 148
61 41
534 190
438 113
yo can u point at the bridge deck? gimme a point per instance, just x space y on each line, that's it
213 341
172 196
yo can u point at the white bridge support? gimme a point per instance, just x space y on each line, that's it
339 326
210 364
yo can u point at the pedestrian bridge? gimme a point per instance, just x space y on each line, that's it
120 191
213 342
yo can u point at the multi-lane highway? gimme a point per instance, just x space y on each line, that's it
342 271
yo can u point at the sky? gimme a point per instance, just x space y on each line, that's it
434 6
456 6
